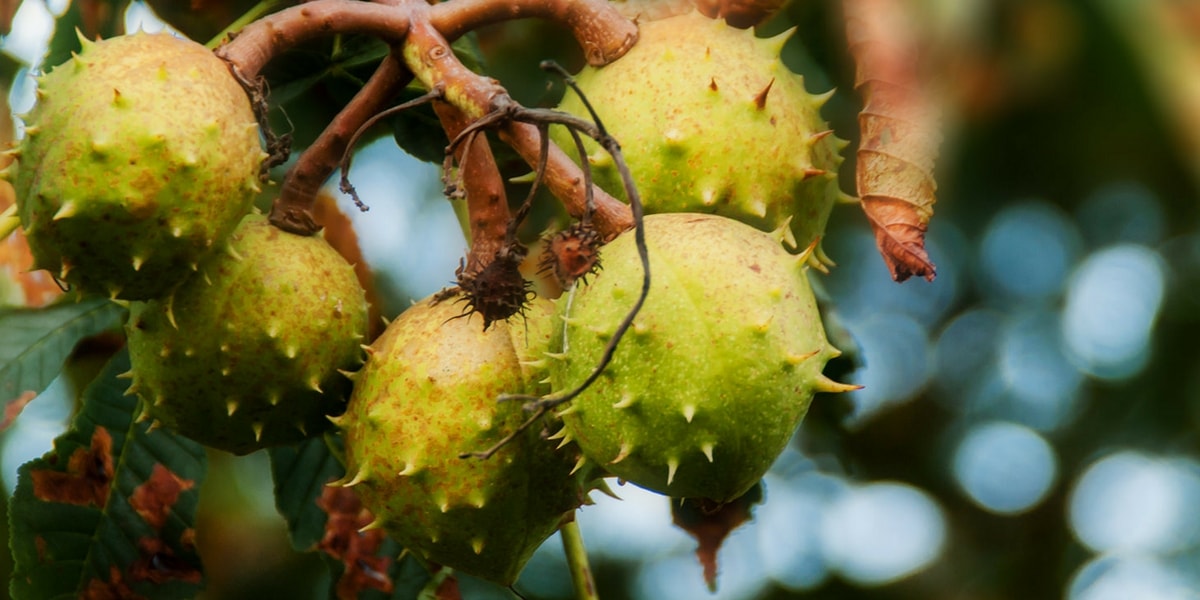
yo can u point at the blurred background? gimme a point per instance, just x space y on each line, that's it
1028 426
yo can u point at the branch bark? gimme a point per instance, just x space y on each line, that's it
487 205
291 210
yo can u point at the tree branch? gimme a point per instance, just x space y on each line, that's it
487 205
291 210
428 56
600 30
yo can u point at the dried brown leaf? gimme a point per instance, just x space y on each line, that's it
155 498
13 409
87 478
356 549
710 523
899 134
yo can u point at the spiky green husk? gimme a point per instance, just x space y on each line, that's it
711 121
428 393
140 156
246 353
707 387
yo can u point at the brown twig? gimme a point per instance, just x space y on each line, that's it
428 56
263 40
566 181
600 30
304 180
487 205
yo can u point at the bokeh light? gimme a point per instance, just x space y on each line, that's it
1132 502
965 358
1042 385
32 435
862 286
1004 467
1112 304
790 544
1131 578
635 528
1027 251
1122 212
880 532
895 361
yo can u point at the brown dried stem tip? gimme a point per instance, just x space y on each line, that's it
899 132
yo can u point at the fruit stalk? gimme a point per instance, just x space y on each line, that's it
428 56
602 32
263 40
487 204
577 561
291 210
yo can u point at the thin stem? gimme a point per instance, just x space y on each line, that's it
538 174
428 56
487 204
599 29
577 561
304 180
348 154
565 180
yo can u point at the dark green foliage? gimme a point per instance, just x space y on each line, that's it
35 342
111 510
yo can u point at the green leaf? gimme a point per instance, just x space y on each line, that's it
327 518
34 342
110 511
301 472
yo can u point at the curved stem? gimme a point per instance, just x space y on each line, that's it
264 39
487 204
428 56
304 180
577 561
602 32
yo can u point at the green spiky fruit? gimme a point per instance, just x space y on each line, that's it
140 156
246 354
428 394
710 121
708 385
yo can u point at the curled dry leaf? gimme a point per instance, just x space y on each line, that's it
357 549
899 134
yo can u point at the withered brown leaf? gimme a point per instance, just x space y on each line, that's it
899 133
